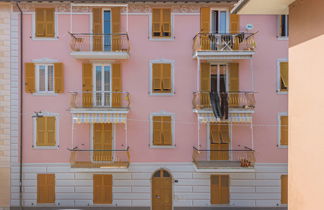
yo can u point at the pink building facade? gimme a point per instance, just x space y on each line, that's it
117 99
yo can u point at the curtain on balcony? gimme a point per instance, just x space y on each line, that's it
99 117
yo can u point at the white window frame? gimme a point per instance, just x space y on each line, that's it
163 61
227 18
57 130
94 82
37 77
173 117
151 38
227 74
279 61
279 37
34 37
279 130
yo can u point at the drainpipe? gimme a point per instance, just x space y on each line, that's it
21 110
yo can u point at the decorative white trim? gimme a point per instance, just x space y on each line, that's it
162 113
56 32
167 61
280 60
46 92
172 37
279 130
57 129
45 61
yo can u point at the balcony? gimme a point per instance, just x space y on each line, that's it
220 46
223 159
110 159
99 46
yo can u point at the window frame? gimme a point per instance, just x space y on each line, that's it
279 91
161 61
94 65
57 128
227 18
56 31
166 38
279 130
279 37
173 117
37 78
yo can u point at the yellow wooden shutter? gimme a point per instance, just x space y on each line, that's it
97 29
29 77
102 140
107 182
157 77
50 22
102 189
234 77
234 23
116 85
116 39
219 189
167 130
156 22
204 20
166 81
45 188
59 77
87 85
157 130
224 133
224 189
204 84
41 131
97 183
166 22
50 131
284 130
284 189
284 76
214 189
40 22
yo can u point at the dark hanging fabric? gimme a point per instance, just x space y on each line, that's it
216 104
224 105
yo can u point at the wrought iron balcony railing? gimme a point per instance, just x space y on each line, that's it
224 42
97 99
223 158
99 158
87 42
241 99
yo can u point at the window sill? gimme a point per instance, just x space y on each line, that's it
44 94
46 147
282 38
282 92
283 146
44 38
162 147
162 39
162 94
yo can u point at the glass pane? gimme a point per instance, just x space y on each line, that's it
42 78
166 174
98 85
107 31
215 22
107 85
50 78
222 22
157 174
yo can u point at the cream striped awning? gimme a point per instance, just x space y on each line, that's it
99 117
233 117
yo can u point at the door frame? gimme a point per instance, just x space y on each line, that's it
172 187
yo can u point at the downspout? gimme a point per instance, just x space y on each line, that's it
21 110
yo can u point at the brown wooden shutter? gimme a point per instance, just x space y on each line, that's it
87 85
219 189
166 22
167 130
116 39
224 189
41 131
284 189
234 23
284 130
284 76
214 189
204 85
102 140
97 29
29 77
40 22
224 133
166 81
116 85
45 188
59 77
157 130
50 131
156 22
157 77
204 20
102 189
50 22
234 77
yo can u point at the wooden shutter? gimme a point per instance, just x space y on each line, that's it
116 85
166 81
87 85
45 188
156 22
46 131
284 130
102 140
157 130
50 24
59 77
284 76
29 77
40 22
284 189
41 131
166 22
97 29
204 85
219 189
102 189
234 23
234 86
167 130
50 131
204 20
116 39
157 77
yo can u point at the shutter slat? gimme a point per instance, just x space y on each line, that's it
166 81
41 129
166 22
50 24
97 29
45 188
284 130
156 22
87 84
29 77
156 77
116 85
40 22
167 130
205 84
51 131
157 130
59 77
204 20
116 39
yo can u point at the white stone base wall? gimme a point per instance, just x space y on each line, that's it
133 187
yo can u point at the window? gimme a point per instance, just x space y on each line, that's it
219 21
162 130
219 189
102 189
161 78
283 30
283 130
45 78
283 77
45 188
284 189
161 23
46 131
45 25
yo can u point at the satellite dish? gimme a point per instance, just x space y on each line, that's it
249 26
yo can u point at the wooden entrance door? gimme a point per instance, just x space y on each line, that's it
161 190
102 140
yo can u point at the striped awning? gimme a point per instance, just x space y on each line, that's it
232 118
99 117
